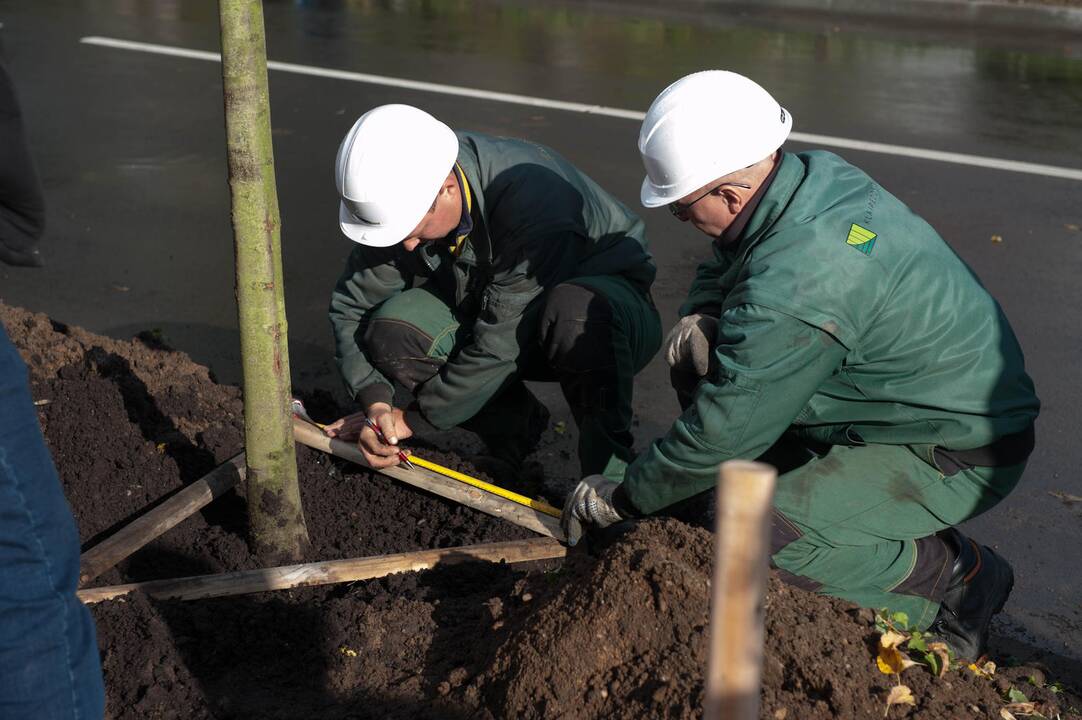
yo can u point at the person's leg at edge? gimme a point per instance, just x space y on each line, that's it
49 664
22 205
596 333
866 524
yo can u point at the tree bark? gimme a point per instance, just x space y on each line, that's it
277 531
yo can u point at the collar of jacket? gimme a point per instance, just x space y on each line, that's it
789 174
465 221
477 245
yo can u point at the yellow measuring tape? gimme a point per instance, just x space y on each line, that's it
538 505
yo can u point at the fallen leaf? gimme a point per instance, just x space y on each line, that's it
347 651
997 238
1007 714
944 654
986 670
892 662
899 695
160 447
891 639
1022 708
1065 498
1016 696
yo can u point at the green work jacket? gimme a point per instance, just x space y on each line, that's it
846 319
537 221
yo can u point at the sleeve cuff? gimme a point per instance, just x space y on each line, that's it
711 310
414 417
623 505
374 393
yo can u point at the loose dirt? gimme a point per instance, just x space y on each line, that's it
615 634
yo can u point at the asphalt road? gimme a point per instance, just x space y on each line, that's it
130 145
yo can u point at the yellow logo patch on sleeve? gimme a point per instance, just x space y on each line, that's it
861 238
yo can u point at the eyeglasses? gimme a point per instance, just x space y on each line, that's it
681 211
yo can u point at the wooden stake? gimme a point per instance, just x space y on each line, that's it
435 483
741 558
145 528
325 573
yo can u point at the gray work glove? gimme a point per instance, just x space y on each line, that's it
590 503
689 346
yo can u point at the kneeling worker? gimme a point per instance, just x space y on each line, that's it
836 335
480 262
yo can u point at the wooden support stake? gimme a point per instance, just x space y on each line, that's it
145 528
325 573
741 558
435 483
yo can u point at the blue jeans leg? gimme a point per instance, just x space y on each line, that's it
49 663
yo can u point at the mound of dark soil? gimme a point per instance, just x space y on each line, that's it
624 637
619 635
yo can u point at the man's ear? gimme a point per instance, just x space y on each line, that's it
733 199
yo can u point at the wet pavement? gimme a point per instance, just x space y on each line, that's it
130 147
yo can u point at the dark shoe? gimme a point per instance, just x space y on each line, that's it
30 257
981 580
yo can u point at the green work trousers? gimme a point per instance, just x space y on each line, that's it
591 334
850 523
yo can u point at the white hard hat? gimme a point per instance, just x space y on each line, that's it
390 167
703 127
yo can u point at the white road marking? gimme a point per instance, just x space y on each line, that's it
820 140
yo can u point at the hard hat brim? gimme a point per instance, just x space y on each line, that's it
384 235
651 197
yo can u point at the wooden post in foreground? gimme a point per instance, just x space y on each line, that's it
741 558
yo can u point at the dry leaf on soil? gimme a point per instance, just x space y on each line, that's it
899 695
1022 708
891 639
890 660
986 670
941 650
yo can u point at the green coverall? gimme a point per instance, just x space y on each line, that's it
848 326
539 231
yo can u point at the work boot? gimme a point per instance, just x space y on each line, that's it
980 582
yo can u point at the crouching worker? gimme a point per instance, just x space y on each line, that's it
482 262
837 336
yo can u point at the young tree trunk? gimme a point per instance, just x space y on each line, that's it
277 530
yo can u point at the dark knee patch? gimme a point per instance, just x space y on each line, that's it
931 570
576 330
784 531
399 350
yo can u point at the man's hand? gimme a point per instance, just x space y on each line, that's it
590 503
689 346
390 421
